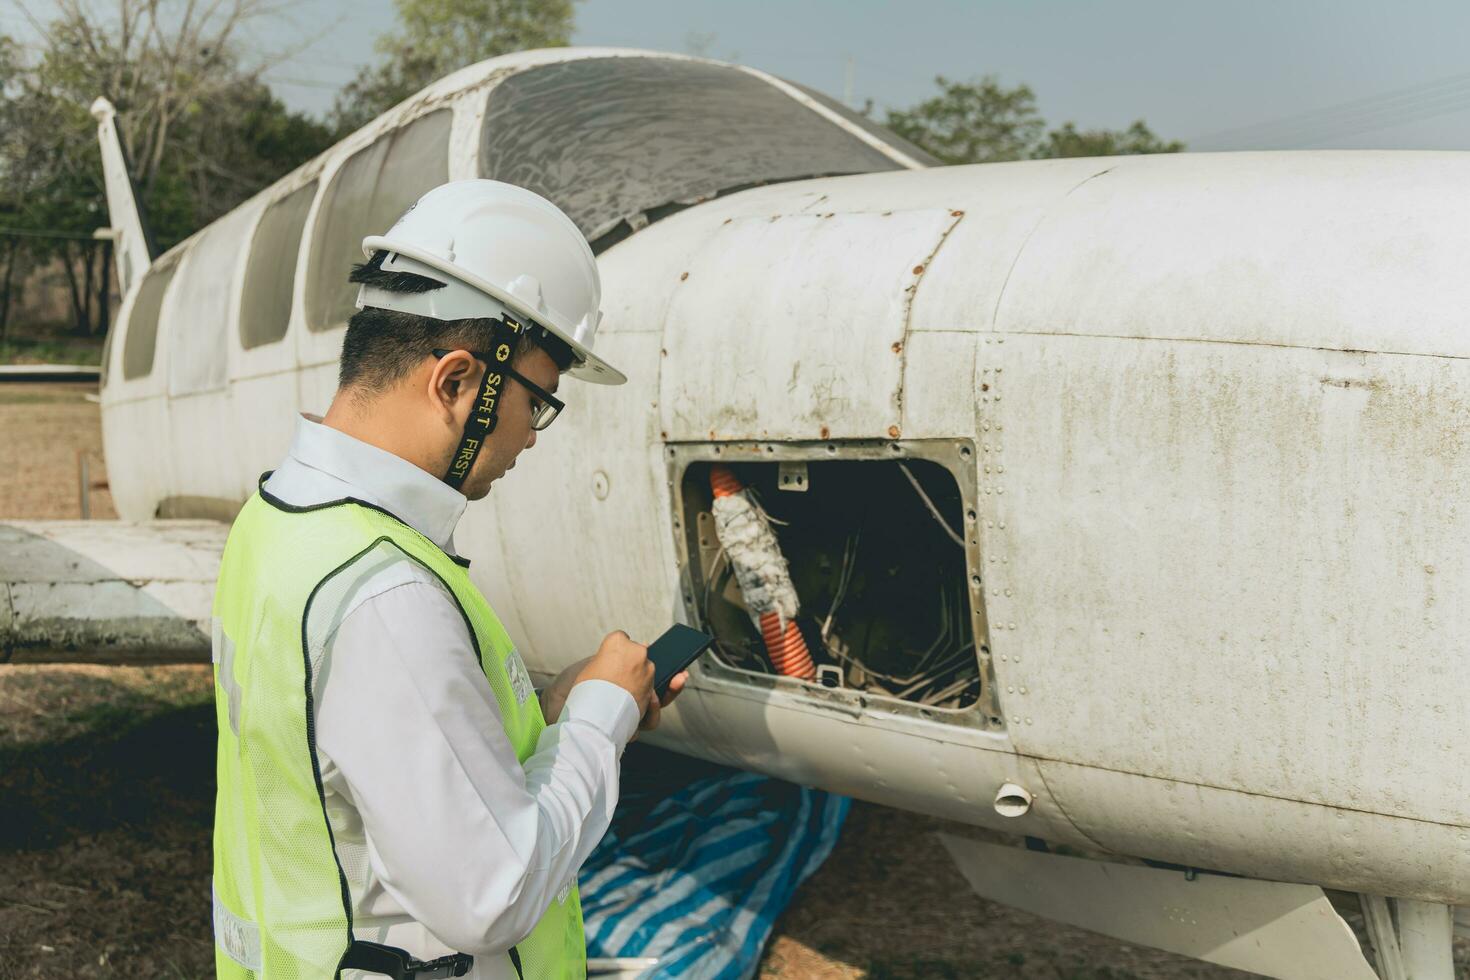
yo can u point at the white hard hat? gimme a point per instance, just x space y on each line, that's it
497 247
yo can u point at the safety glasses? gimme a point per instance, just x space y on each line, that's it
546 407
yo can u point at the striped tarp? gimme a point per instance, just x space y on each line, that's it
699 863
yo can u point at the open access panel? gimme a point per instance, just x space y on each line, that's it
881 546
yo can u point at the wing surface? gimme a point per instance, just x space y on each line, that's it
107 591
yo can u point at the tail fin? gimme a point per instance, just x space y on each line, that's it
133 249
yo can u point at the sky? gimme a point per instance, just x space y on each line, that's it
1219 75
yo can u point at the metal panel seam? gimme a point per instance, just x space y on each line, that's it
1015 260
1231 343
908 312
1056 801
1039 759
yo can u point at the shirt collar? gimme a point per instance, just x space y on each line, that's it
418 499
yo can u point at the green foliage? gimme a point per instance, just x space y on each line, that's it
985 122
1067 141
972 122
202 132
49 350
435 37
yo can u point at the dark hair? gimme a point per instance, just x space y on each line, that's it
383 346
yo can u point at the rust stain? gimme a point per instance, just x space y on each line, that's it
893 432
683 277
918 270
1371 384
897 346
826 432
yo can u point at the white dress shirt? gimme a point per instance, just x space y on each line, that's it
448 843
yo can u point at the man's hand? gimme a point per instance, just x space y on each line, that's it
650 717
554 696
622 662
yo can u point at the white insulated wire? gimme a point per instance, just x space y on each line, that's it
932 509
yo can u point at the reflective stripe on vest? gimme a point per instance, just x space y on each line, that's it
282 908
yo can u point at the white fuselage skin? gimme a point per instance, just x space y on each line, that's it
1218 405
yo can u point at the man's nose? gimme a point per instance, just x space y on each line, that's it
531 439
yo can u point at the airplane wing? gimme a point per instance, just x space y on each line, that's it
107 591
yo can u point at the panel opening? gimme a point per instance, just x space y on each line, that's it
877 553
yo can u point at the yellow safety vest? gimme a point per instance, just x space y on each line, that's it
281 904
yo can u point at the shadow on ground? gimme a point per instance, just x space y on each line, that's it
104 843
107 797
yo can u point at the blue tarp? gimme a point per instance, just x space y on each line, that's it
699 863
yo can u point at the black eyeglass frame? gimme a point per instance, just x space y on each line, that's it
547 398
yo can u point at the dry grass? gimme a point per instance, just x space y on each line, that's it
43 428
106 799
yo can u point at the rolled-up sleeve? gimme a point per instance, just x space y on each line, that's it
473 844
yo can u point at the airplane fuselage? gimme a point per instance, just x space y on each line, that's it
1205 420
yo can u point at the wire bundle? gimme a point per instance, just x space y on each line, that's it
744 531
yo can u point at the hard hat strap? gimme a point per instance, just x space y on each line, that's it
485 414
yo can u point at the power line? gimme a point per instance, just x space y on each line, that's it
1386 117
1399 117
1345 118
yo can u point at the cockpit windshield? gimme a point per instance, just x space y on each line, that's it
619 141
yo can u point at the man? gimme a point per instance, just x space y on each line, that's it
394 798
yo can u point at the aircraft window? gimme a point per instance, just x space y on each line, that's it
270 274
371 190
610 140
879 570
142 331
197 337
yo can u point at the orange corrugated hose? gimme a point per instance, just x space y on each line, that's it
787 650
786 647
724 482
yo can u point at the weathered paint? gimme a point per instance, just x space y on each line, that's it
107 590
1250 485
817 343
1218 403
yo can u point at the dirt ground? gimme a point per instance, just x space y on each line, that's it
106 797
44 430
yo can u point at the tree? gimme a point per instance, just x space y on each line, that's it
985 122
201 130
436 37
972 122
1067 141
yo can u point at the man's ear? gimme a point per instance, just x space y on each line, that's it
452 383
